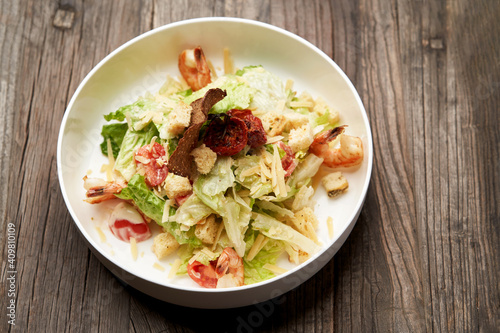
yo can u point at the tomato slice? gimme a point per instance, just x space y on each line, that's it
204 275
288 162
226 137
126 222
151 158
256 133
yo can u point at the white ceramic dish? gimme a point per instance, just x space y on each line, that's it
141 65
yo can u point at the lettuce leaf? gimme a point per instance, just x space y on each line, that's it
152 206
132 141
275 229
192 211
115 134
254 182
239 94
133 109
254 271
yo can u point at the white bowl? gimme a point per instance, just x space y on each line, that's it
141 65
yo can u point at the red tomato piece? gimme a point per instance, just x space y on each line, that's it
182 199
124 230
151 159
288 162
226 137
256 133
204 275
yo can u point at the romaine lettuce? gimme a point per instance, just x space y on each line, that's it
115 134
152 206
275 229
132 141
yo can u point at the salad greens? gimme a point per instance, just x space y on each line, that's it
248 191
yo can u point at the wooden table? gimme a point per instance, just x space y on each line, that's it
424 254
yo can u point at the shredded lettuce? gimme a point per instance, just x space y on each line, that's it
275 229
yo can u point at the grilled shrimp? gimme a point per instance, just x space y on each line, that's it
229 269
349 153
99 190
194 68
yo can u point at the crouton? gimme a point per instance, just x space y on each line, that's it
273 123
205 159
176 186
207 231
335 184
295 120
305 222
164 244
321 107
179 118
300 138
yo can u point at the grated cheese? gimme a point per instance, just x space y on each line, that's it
289 84
175 267
275 269
217 236
329 223
212 69
258 244
249 172
166 212
301 104
111 158
273 139
133 248
159 267
228 62
101 234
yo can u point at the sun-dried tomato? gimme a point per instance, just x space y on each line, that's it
256 132
151 158
226 136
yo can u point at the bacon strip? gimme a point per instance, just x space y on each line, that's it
181 162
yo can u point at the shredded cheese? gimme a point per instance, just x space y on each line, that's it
111 158
166 212
228 62
175 267
289 84
212 69
329 223
159 267
273 139
249 172
301 104
275 269
256 247
219 232
133 248
101 234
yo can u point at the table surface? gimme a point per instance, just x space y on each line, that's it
424 254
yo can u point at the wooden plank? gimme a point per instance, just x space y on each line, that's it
422 256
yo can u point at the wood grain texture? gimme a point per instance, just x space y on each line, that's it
423 256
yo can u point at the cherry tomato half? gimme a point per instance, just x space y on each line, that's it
155 170
256 133
226 137
204 275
